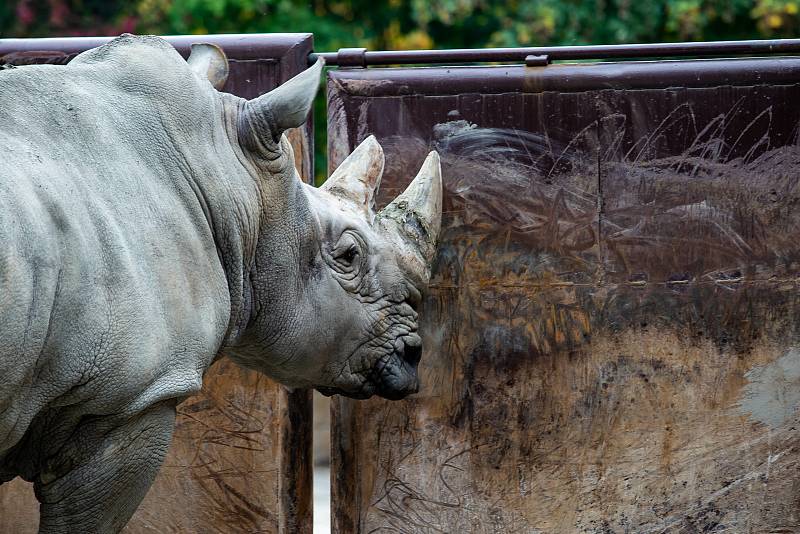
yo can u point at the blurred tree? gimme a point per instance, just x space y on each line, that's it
409 24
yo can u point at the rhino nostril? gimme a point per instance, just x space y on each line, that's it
412 354
414 298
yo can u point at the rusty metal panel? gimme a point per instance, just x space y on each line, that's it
240 459
611 334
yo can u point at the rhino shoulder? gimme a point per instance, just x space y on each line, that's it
146 54
149 71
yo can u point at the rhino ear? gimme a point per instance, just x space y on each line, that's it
358 178
209 61
286 106
418 209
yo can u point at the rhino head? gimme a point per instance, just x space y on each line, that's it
334 285
377 267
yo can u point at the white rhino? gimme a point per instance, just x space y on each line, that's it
148 223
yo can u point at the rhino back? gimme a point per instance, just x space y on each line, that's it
112 295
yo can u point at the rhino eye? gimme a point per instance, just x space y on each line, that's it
347 253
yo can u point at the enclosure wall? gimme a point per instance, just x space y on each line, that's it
611 332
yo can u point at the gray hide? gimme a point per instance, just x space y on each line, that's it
148 222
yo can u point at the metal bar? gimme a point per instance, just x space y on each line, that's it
555 53
237 46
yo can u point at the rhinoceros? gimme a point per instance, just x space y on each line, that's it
150 223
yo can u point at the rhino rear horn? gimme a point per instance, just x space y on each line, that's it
358 178
286 106
418 209
209 61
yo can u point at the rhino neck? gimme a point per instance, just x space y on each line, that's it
271 296
231 194
276 280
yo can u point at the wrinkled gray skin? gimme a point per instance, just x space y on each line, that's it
148 222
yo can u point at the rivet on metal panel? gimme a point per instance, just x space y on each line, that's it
537 61
351 58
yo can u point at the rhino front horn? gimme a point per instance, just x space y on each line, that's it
209 61
418 209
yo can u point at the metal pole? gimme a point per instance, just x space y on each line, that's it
345 57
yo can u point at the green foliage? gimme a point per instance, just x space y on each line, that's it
410 24
396 24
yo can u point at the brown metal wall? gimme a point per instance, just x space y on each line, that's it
611 334
240 459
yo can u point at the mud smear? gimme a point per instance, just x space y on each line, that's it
772 394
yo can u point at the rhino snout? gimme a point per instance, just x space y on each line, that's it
393 376
396 376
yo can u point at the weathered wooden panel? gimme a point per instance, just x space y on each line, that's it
240 459
611 335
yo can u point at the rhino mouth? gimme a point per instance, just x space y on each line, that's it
393 376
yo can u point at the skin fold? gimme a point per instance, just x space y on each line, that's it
149 222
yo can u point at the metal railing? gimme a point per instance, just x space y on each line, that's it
361 57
